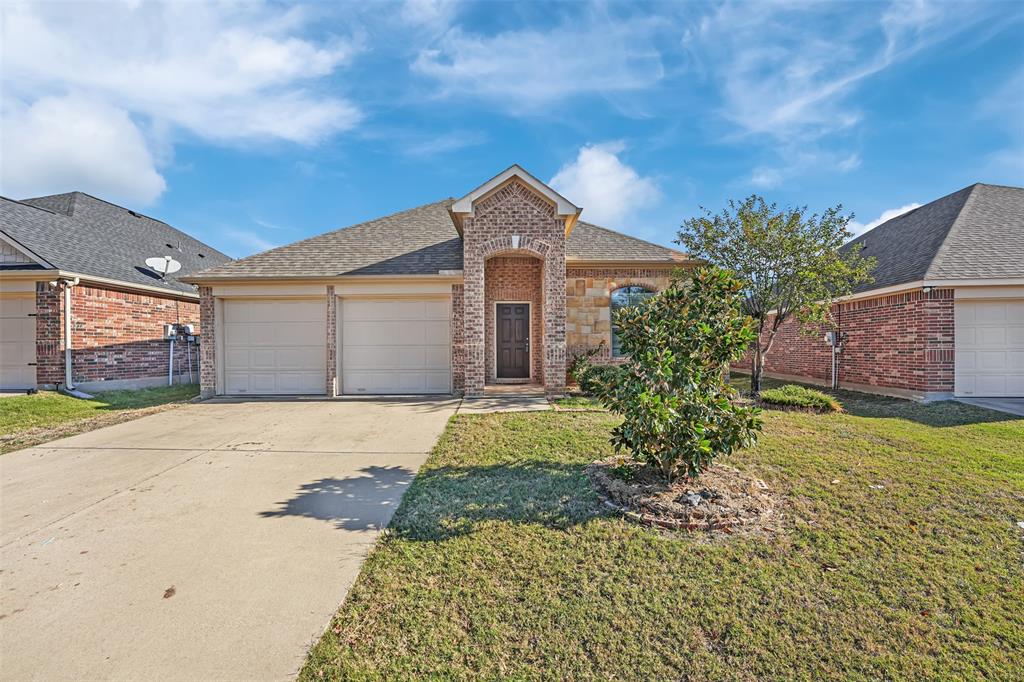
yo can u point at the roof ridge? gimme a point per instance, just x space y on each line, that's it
204 246
76 193
989 184
944 247
22 203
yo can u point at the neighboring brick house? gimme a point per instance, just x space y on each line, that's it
944 315
74 248
500 286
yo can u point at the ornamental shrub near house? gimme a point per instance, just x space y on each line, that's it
800 397
679 413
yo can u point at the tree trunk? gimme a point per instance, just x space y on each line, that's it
756 367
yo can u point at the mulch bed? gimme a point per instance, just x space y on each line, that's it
765 405
722 499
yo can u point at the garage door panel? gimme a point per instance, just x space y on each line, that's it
395 346
989 357
17 342
966 360
275 347
1015 360
987 337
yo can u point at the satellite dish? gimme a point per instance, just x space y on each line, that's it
165 265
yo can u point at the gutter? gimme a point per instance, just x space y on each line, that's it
69 383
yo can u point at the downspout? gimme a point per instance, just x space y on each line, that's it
68 382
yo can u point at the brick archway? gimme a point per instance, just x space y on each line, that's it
515 246
512 222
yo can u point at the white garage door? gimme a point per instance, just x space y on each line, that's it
17 342
275 347
395 346
990 348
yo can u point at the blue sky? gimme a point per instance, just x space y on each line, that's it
256 124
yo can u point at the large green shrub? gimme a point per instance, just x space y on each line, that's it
678 411
802 397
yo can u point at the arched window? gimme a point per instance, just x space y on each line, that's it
623 298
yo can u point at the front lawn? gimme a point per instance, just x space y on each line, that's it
31 419
902 559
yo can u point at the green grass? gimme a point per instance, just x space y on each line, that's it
792 395
579 401
901 559
50 409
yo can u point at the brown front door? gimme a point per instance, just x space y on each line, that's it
513 339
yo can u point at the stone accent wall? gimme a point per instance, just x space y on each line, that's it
903 341
115 335
458 341
514 278
208 376
331 388
588 300
514 220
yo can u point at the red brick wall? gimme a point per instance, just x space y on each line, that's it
115 335
458 341
903 341
514 278
208 376
49 334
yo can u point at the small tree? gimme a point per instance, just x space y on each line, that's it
677 408
789 263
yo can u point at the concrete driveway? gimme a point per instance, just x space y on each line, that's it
213 541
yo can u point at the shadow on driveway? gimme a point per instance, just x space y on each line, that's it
364 502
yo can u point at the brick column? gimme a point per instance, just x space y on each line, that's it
208 344
458 343
554 321
473 317
331 388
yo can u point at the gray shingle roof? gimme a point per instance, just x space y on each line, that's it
974 233
418 241
79 233
592 242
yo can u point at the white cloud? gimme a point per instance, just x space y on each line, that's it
63 143
428 13
860 228
443 143
765 177
225 72
527 70
251 241
607 189
787 70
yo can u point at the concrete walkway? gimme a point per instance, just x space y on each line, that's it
1014 406
214 541
504 403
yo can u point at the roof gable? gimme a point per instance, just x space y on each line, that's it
564 208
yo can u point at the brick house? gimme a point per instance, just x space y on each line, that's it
944 315
500 286
75 262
